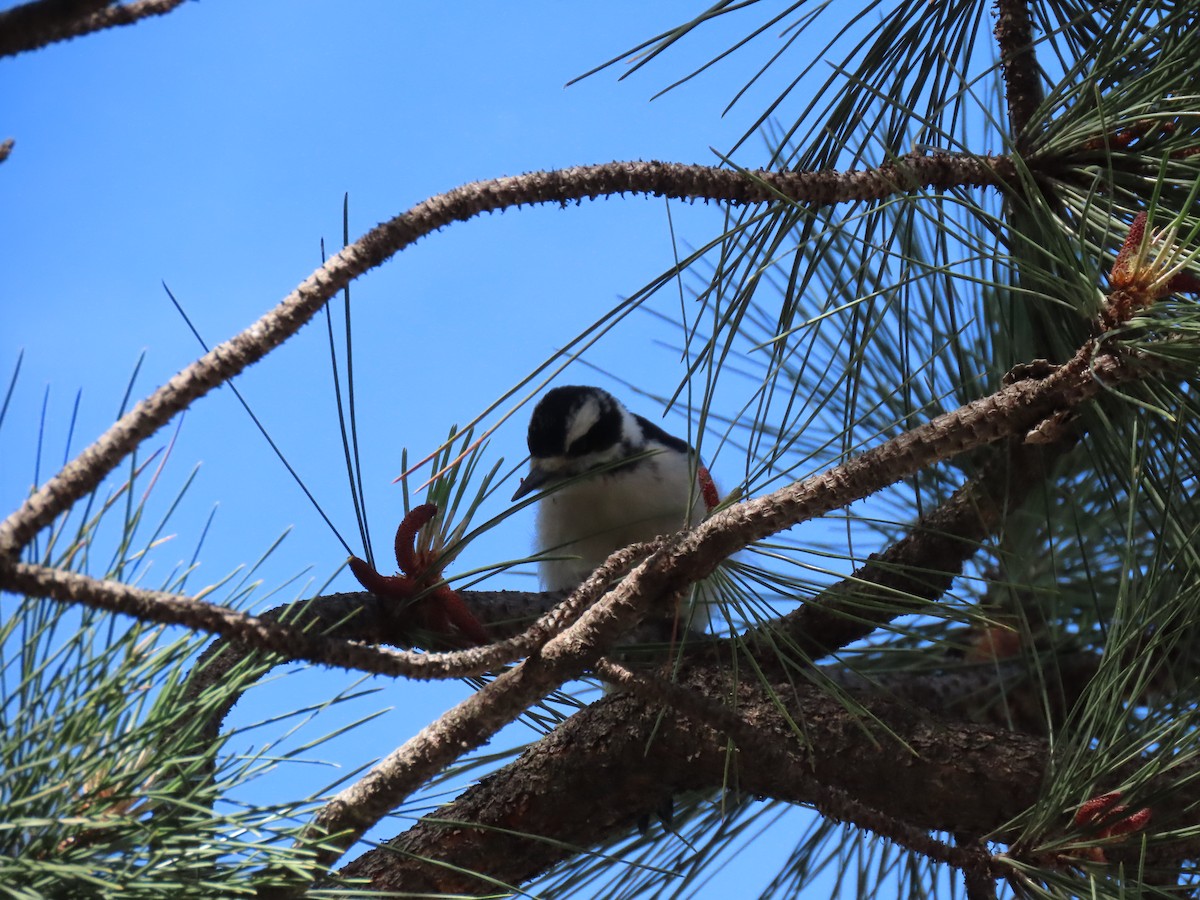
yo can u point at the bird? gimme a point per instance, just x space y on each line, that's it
611 478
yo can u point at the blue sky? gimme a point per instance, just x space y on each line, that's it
211 149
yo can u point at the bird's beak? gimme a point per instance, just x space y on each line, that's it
537 479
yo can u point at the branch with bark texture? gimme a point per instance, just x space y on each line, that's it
1018 65
1028 410
965 505
565 655
688 557
620 758
86 472
292 641
44 22
1006 415
920 566
672 180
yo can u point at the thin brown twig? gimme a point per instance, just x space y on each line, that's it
295 642
291 641
226 360
689 557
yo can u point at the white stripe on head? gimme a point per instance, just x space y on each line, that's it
582 420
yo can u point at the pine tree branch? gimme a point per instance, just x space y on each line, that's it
922 565
290 641
979 885
85 472
1018 63
1013 410
942 540
38 23
362 617
346 817
1071 382
892 768
768 749
689 557
619 759
470 724
43 22
325 630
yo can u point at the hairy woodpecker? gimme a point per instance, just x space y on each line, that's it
620 479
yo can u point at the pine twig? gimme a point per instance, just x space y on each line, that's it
43 22
291 641
1015 409
226 360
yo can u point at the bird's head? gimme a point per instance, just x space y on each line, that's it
575 430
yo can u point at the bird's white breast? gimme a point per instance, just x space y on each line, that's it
592 518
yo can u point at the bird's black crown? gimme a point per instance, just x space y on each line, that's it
555 414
